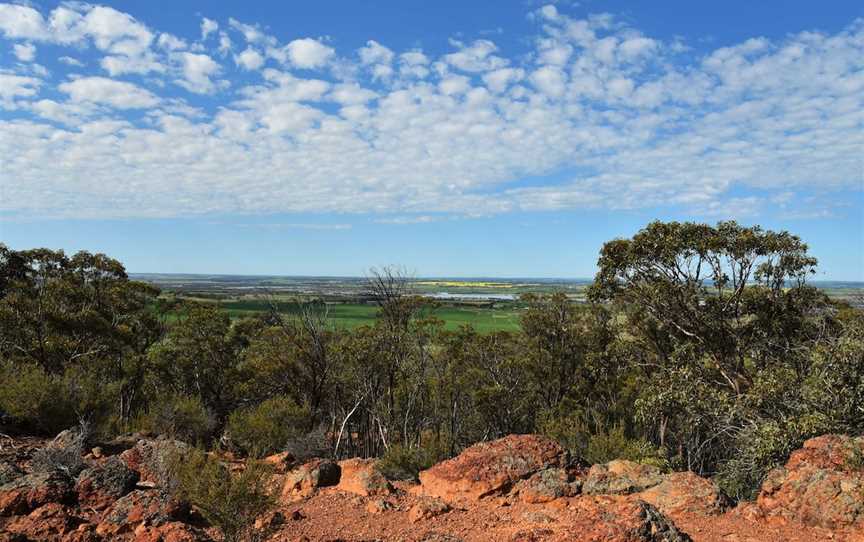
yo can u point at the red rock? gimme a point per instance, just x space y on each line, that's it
427 508
546 485
362 477
151 506
378 506
615 519
51 522
281 462
26 493
821 484
685 492
491 467
304 480
173 531
99 486
620 477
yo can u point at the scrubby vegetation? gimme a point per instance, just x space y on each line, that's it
702 348
229 501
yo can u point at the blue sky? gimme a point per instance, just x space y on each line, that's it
458 139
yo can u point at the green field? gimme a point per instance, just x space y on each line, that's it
352 315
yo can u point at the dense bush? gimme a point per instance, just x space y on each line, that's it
268 427
181 417
615 444
230 501
33 398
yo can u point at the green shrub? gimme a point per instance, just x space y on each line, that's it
401 463
269 427
178 416
615 444
229 501
33 398
761 447
568 427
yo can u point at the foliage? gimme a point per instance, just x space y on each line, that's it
403 463
181 417
197 357
230 501
615 444
34 398
268 427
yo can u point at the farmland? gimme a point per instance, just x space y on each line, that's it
486 304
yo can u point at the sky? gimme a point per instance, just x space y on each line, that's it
484 138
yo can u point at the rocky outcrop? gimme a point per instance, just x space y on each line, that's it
620 477
152 459
516 488
152 507
547 485
362 477
686 492
492 467
99 486
26 493
49 522
304 480
9 471
822 484
617 519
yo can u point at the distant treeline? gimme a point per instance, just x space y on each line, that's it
702 347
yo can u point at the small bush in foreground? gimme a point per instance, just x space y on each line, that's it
615 444
401 463
229 501
267 428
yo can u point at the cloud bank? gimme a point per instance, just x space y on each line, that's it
234 120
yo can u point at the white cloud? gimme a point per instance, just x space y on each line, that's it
116 32
296 226
171 42
498 80
249 59
16 86
69 61
351 94
476 57
198 69
252 33
421 219
550 81
308 53
375 53
25 52
414 58
101 90
22 22
122 64
454 84
208 26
